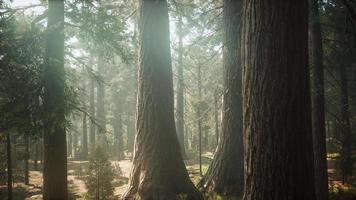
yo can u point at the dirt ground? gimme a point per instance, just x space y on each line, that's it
76 184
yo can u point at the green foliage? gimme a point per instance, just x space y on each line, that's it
100 175
338 193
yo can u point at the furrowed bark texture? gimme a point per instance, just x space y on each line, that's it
318 103
225 173
55 149
158 168
279 161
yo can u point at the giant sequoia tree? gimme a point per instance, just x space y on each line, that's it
276 101
318 103
225 174
55 150
158 168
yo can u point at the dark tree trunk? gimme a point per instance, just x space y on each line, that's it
278 140
225 173
9 166
27 157
346 143
180 89
92 112
55 149
318 103
158 168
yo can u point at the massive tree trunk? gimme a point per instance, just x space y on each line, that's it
318 103
225 173
279 161
9 166
346 143
158 168
180 89
55 150
92 111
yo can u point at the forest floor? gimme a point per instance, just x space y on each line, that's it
76 181
78 190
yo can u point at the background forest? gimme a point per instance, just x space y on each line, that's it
87 87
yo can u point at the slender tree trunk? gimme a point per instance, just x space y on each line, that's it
27 157
101 114
158 168
130 130
36 154
318 103
225 173
55 149
278 140
75 144
118 130
85 138
200 120
180 89
70 145
216 118
346 143
92 112
9 166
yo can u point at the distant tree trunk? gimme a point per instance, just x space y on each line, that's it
9 166
216 118
75 144
318 103
158 168
36 154
130 129
225 173
84 140
70 145
346 143
119 143
180 89
27 157
101 114
84 153
279 162
55 149
200 120
92 112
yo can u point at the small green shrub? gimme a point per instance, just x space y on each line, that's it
100 176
